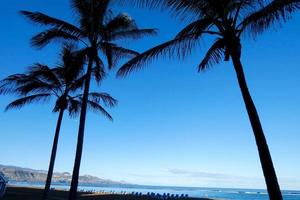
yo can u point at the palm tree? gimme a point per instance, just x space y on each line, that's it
227 21
41 83
97 31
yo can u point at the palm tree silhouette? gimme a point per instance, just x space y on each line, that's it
41 83
97 31
227 21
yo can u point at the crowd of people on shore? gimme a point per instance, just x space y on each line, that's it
164 196
158 196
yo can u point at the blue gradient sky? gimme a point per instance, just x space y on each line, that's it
173 126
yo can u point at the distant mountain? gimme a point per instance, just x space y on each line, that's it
20 174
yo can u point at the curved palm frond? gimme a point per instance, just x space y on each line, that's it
116 53
77 84
143 3
8 84
186 9
80 6
23 84
44 38
197 27
111 52
133 34
213 55
72 66
44 74
94 103
274 12
19 103
74 107
61 103
122 52
35 86
179 47
108 100
99 70
182 8
46 20
97 108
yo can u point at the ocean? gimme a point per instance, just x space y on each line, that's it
214 193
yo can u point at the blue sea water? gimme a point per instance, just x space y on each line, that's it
214 193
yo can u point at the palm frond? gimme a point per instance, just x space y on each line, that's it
179 47
44 38
23 84
80 6
61 103
95 100
42 73
275 12
97 108
176 7
190 9
213 55
46 20
8 84
99 70
77 84
107 50
73 63
34 86
19 103
143 3
122 52
105 98
116 53
74 107
133 34
197 27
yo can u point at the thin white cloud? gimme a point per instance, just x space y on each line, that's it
199 174
181 177
228 180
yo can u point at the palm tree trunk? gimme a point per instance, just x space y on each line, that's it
53 155
263 149
76 168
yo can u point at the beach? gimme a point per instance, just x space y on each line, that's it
35 193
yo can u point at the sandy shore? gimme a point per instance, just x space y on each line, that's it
30 193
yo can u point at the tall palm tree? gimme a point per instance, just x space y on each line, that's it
227 21
97 31
41 83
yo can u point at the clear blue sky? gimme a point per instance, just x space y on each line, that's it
173 126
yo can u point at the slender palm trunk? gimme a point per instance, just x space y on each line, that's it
76 169
53 155
263 149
